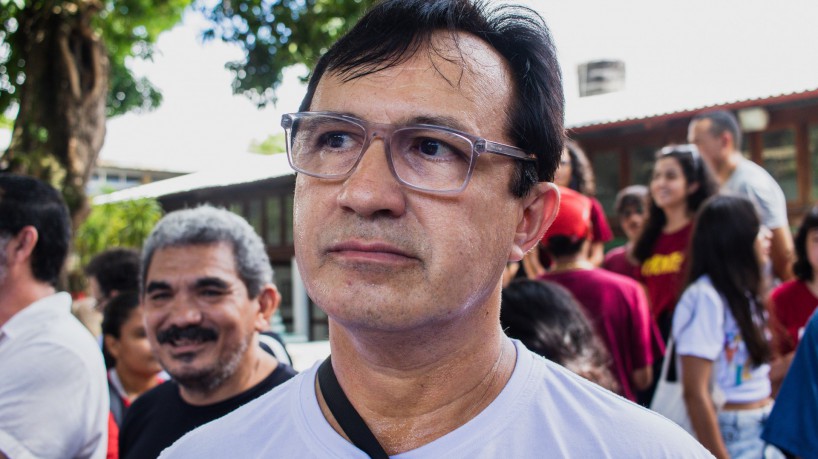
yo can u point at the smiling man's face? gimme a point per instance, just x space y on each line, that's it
198 315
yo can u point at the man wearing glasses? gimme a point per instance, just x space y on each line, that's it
423 150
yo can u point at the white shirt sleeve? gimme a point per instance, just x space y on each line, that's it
698 322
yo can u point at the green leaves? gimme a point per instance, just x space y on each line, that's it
121 224
275 35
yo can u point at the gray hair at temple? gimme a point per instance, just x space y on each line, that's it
206 225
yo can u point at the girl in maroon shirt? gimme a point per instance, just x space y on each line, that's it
680 183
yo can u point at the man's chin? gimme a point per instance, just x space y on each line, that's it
196 379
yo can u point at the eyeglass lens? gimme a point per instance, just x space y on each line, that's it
427 158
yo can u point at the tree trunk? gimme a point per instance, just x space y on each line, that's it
60 126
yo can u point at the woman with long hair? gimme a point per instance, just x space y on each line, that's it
548 320
719 329
678 186
135 369
793 302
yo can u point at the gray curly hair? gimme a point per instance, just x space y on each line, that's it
210 225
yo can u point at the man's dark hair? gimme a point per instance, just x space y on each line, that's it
115 269
26 201
395 30
802 267
563 246
722 121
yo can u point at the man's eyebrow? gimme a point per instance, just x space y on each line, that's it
157 285
436 120
216 282
445 121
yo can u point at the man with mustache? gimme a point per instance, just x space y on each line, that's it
424 149
53 396
207 291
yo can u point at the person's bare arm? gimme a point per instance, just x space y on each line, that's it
596 253
696 374
781 253
778 370
642 377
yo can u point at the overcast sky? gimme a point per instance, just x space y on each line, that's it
678 54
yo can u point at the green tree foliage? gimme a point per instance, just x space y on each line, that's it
276 34
63 68
272 145
120 224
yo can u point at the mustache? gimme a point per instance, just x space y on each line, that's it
191 333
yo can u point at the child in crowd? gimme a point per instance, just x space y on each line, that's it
615 305
631 207
135 368
719 329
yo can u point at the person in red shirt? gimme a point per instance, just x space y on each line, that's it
793 302
615 304
679 185
631 207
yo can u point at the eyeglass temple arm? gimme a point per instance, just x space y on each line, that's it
484 145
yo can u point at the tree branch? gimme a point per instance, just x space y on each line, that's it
70 66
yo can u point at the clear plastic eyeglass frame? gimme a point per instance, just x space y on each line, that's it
386 132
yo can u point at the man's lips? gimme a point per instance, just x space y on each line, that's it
184 346
370 251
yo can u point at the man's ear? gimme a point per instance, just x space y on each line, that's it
539 210
269 299
21 246
727 141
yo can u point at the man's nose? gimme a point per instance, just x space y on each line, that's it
371 188
183 311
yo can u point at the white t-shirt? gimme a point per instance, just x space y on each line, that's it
53 390
704 327
753 181
544 411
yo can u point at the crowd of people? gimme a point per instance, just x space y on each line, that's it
451 234
701 246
